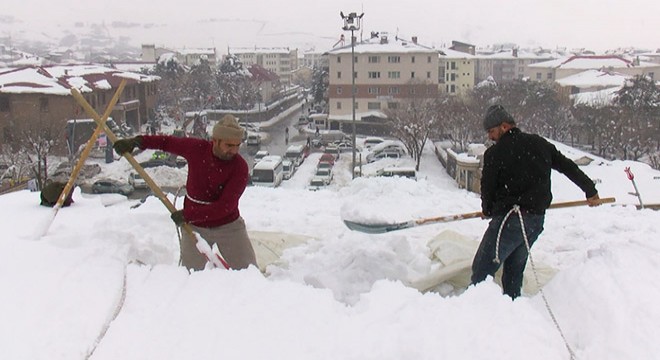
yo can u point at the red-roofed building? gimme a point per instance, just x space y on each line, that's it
43 93
266 81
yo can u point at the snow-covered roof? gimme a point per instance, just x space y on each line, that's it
520 54
59 79
453 54
590 62
596 98
260 50
393 44
207 51
594 78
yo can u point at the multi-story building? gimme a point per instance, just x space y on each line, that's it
281 61
506 66
456 73
388 70
42 94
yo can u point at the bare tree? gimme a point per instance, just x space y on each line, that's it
412 123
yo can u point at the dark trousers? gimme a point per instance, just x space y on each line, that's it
512 251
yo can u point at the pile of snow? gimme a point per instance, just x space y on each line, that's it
104 281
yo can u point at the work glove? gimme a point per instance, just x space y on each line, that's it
178 217
127 145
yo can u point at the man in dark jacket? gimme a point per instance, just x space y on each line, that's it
515 188
217 177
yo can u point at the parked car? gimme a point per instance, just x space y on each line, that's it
136 181
317 183
110 186
371 141
260 155
346 146
289 168
389 145
324 165
383 155
329 158
331 149
325 173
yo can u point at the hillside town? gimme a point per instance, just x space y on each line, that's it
571 95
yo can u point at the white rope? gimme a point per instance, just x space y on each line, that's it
516 209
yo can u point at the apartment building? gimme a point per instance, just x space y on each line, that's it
561 68
508 65
41 95
281 61
388 70
312 59
456 72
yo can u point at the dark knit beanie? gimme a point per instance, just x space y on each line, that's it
495 115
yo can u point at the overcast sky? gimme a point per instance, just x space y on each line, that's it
593 24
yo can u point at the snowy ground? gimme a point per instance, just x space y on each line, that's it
78 292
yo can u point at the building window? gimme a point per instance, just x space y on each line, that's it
339 105
452 88
428 59
393 90
338 59
373 105
394 59
413 59
394 74
428 74
43 104
412 74
549 76
538 76
4 104
374 59
392 105
338 74
355 75
452 77
339 90
355 59
412 91
453 65
374 90
374 74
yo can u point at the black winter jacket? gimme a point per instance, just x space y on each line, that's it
517 171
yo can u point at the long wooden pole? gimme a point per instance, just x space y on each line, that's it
83 156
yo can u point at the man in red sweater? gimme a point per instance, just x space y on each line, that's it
217 177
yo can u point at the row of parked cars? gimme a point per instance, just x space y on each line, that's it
270 170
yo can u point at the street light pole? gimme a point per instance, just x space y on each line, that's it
352 23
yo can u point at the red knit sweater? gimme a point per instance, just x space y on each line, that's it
218 182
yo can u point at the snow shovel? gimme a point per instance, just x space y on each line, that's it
384 228
83 156
202 246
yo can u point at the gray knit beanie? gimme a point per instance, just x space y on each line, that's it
495 115
228 128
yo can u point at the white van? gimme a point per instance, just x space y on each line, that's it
253 139
295 153
268 172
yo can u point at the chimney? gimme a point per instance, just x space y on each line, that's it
514 52
414 39
383 39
